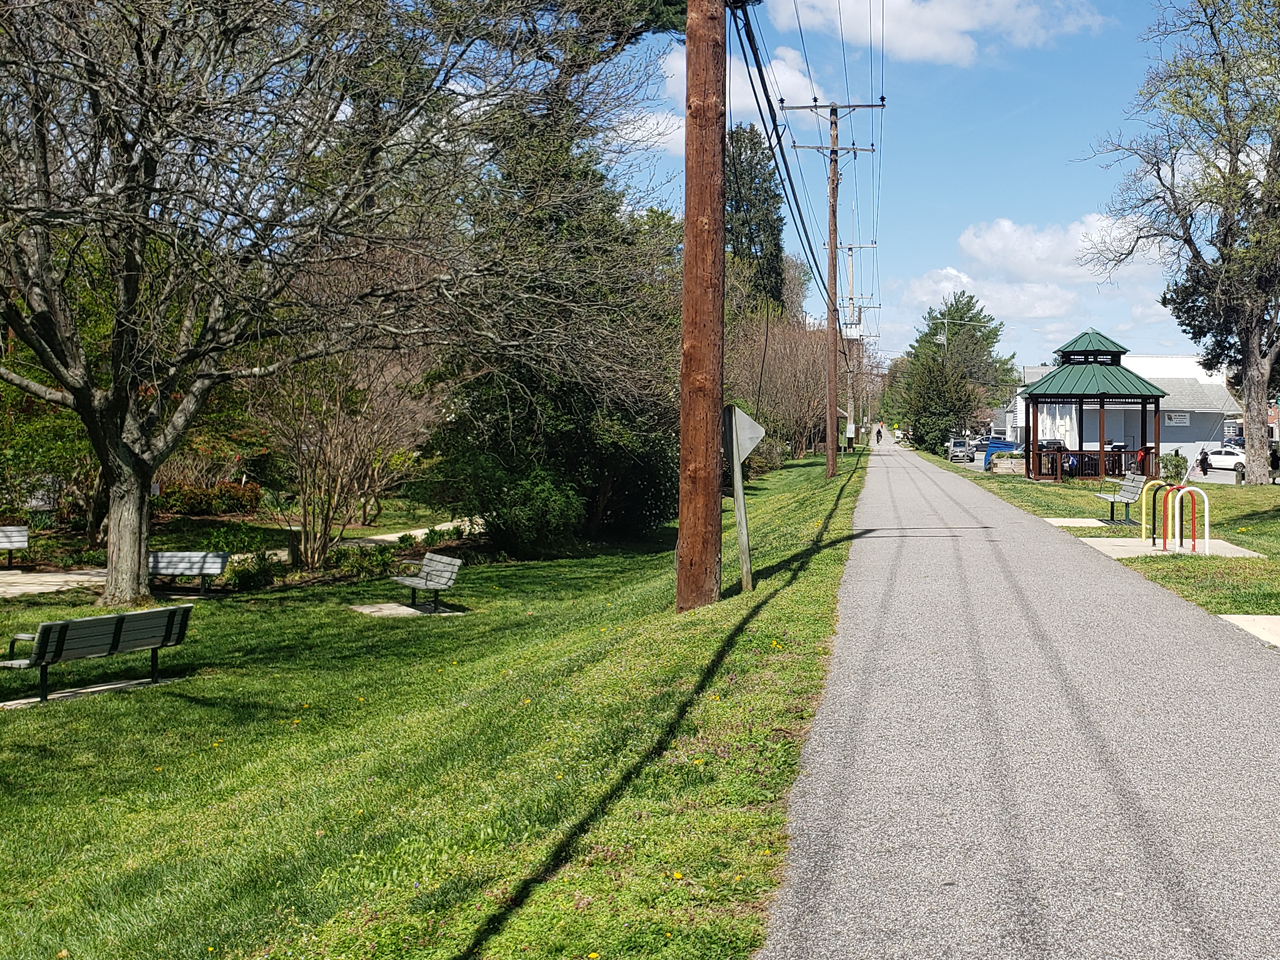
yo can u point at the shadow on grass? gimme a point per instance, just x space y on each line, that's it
563 851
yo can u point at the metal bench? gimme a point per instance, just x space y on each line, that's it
436 573
82 639
173 563
1129 492
13 538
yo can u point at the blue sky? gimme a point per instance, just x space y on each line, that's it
986 182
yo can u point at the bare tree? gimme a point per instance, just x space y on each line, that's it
182 182
1202 190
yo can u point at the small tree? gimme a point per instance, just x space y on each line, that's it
753 210
345 430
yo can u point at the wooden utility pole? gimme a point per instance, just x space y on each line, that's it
702 330
833 317
833 321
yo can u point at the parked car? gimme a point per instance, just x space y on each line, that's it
1226 458
1237 442
1052 445
959 450
983 442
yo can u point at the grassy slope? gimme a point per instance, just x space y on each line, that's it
1246 516
569 769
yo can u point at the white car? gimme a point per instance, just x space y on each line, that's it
1224 458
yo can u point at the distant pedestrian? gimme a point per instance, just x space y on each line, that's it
877 436
1204 463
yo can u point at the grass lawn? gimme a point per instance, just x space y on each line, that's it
568 770
1248 516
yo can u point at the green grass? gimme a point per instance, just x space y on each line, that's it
1248 516
570 768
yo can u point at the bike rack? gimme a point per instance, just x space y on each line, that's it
1164 517
1158 485
1177 507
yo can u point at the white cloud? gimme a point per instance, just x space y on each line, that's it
787 79
939 31
1029 277
1023 301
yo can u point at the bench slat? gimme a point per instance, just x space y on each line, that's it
97 636
13 538
173 563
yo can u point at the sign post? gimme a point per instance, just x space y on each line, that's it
741 434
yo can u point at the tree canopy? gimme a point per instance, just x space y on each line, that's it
753 210
1202 190
950 372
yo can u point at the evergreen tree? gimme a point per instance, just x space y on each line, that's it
753 210
953 370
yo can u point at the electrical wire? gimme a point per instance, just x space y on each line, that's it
747 41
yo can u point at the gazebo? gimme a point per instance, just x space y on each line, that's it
1067 411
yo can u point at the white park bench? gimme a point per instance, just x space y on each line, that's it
13 538
436 573
174 563
65 640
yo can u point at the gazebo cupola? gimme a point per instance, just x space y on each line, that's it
1073 401
1091 347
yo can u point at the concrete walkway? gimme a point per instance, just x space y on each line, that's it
1026 750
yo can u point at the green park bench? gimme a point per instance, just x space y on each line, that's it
1128 493
64 640
436 573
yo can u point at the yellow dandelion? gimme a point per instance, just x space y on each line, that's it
678 875
158 769
592 956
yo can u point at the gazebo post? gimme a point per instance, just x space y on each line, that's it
1080 429
1035 439
1157 429
1143 431
1102 438
1026 439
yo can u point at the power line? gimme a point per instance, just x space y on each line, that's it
747 41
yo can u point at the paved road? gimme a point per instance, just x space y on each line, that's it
1016 758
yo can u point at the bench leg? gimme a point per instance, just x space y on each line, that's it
155 665
44 683
413 596
1113 511
204 581
10 558
435 603
1126 514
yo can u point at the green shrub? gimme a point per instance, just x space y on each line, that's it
766 457
539 511
223 498
1173 467
254 572
362 561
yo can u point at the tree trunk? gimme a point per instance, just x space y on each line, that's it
1255 378
129 517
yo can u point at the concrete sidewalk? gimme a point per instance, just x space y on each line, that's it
1026 750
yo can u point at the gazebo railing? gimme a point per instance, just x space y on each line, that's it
1083 464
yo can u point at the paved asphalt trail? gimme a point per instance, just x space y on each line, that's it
1016 758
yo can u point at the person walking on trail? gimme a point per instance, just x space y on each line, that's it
1204 463
877 435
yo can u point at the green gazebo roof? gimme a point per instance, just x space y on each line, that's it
1093 341
1090 380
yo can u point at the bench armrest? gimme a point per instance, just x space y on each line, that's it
20 636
